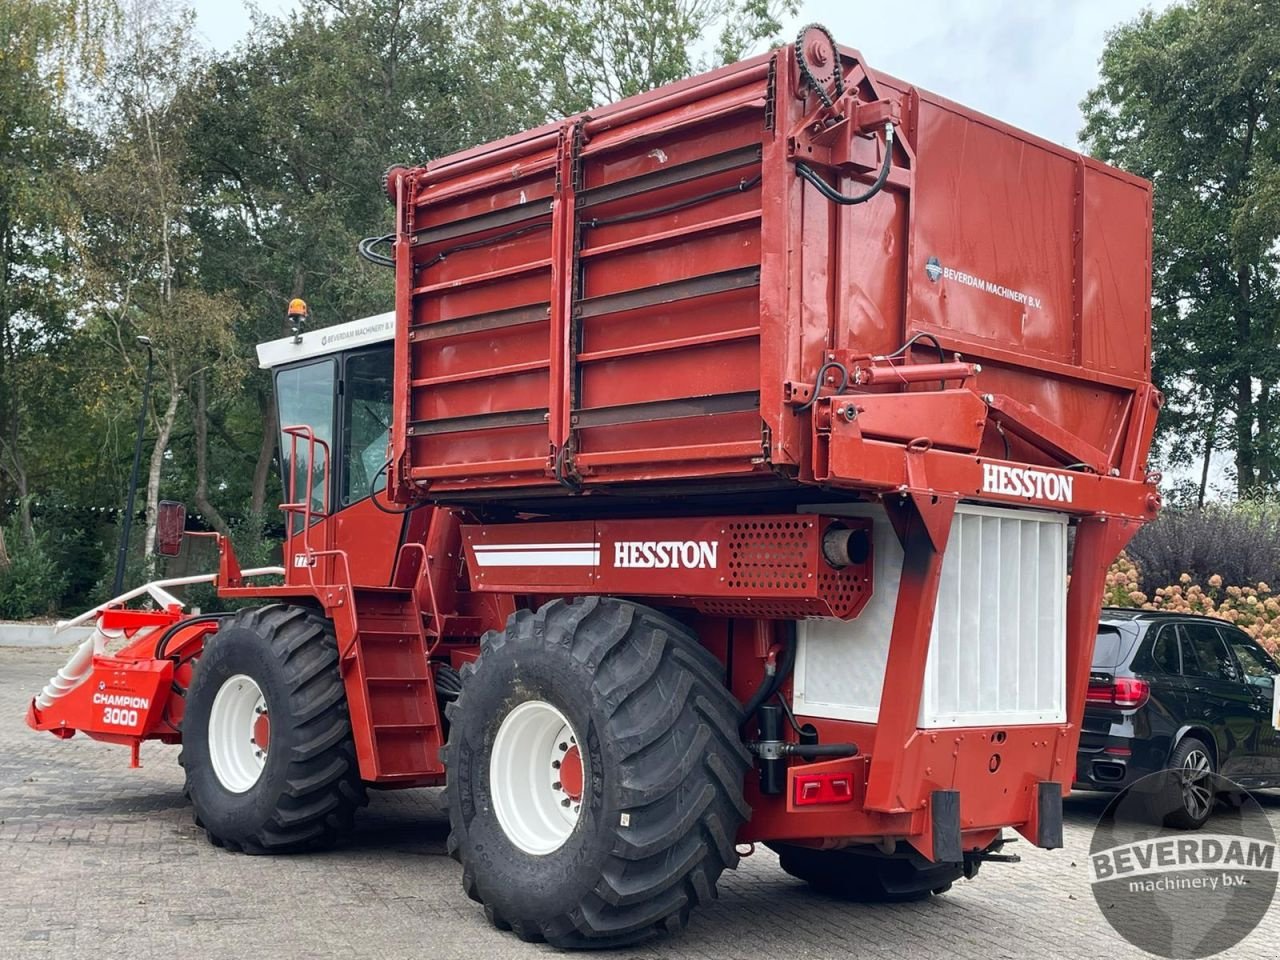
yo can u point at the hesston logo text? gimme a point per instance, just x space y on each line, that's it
665 554
1026 482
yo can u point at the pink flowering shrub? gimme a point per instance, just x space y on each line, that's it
1252 608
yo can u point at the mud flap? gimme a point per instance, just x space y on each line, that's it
1048 815
944 812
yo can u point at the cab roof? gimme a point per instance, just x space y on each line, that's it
326 340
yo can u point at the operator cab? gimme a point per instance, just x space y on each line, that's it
337 381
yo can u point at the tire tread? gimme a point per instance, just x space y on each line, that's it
682 770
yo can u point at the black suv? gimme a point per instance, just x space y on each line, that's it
1179 692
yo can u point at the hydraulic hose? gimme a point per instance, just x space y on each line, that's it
373 495
162 643
365 249
771 683
834 195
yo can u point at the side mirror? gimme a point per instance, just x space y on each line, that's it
171 523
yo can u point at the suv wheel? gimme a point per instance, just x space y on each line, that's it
1190 787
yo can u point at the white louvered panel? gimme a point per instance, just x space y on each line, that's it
998 650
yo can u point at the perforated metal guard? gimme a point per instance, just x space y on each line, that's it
778 567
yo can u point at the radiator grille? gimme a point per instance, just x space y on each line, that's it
998 649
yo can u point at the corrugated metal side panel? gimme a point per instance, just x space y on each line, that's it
479 332
665 363
998 650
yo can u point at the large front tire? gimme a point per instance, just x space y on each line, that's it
595 774
267 745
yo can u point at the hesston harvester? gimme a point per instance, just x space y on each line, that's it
716 481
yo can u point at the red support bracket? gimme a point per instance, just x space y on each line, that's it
933 510
922 522
1045 435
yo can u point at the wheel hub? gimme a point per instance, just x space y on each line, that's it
262 730
537 775
239 733
570 778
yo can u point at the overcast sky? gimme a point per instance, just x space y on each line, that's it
1028 62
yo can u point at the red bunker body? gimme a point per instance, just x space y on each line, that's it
741 463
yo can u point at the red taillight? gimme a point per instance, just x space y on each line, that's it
1125 693
813 788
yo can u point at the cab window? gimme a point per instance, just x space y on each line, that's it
366 419
305 395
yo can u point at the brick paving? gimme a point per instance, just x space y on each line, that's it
99 861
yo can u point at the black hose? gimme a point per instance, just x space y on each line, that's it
942 356
373 495
365 249
448 683
834 195
810 750
817 383
487 241
786 712
770 685
163 640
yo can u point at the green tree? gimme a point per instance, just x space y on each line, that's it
289 140
141 256
1189 98
44 44
570 56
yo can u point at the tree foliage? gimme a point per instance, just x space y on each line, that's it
150 188
44 44
1190 98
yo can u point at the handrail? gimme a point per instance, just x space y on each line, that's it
159 594
303 507
424 573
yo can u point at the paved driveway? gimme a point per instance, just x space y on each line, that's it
100 861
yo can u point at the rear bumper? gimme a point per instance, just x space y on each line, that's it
1114 761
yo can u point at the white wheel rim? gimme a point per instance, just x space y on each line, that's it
534 780
236 722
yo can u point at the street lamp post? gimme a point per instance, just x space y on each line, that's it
123 553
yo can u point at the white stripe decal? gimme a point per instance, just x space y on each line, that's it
516 556
535 546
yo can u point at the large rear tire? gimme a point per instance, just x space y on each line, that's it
267 745
595 774
870 876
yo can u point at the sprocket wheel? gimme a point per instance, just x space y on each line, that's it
819 62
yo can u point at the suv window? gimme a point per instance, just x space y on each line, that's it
1108 647
1259 669
1164 652
1205 653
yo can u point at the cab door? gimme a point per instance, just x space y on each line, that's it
306 397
